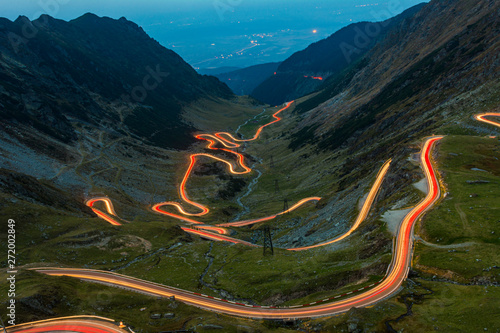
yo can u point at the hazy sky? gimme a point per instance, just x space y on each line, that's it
214 33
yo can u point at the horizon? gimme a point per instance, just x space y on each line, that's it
224 33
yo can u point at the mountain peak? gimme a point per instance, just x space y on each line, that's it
88 16
21 18
111 58
90 21
45 18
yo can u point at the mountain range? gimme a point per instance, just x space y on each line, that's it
97 70
244 81
94 107
327 58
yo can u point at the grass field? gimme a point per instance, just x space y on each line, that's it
465 225
460 241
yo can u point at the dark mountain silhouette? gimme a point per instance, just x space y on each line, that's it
295 76
100 71
396 92
244 81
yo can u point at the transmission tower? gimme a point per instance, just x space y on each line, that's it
3 326
271 164
268 242
285 205
276 186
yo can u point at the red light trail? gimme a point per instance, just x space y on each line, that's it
229 142
390 284
109 207
396 275
77 324
314 77
205 231
481 117
212 139
232 139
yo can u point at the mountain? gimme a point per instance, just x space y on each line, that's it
89 101
402 82
429 75
99 71
218 70
306 70
244 81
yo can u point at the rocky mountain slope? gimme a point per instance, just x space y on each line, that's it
405 80
98 71
295 76
87 102
429 75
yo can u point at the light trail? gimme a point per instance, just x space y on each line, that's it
157 208
109 207
259 130
219 230
361 216
206 233
364 210
77 324
314 77
397 272
212 141
182 187
268 218
215 237
481 117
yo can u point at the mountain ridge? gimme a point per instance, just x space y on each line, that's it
325 58
429 76
243 81
140 75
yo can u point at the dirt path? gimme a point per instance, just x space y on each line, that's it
463 217
451 246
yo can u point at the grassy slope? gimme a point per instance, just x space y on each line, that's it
445 277
467 220
69 297
311 275
53 238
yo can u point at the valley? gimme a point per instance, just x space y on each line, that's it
367 204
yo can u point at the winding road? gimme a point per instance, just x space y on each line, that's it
396 274
219 231
222 138
361 217
109 208
375 292
362 297
77 324
229 142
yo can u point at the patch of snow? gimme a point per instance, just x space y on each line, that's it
393 219
422 185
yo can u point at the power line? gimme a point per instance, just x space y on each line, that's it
268 242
